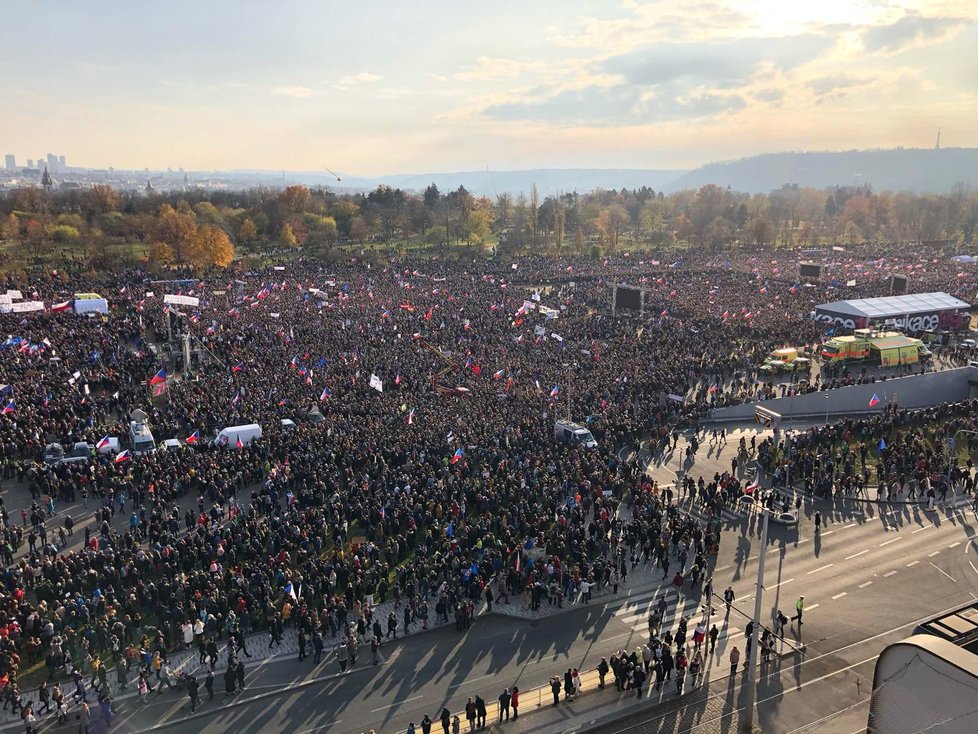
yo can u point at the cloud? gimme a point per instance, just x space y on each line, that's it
827 85
352 80
909 30
619 105
297 92
720 64
769 95
486 67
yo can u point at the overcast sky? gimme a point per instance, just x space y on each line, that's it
387 86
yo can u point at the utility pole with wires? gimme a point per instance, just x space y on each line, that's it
750 688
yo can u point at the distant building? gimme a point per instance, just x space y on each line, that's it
52 162
10 161
46 181
30 162
62 163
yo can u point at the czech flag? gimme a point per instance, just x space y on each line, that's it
193 437
237 443
325 394
104 441
123 456
65 306
238 367
9 408
555 391
497 374
158 377
457 456
410 417
874 401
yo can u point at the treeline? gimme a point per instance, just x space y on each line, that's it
203 229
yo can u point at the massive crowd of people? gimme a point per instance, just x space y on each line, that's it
446 480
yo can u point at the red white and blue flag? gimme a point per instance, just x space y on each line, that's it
457 456
104 441
158 377
555 391
123 456
193 437
9 408
325 394
874 401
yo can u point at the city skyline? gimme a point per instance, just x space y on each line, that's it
386 89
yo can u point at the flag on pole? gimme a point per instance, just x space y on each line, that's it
238 367
104 441
193 437
874 401
497 374
555 391
123 456
237 443
410 417
158 377
237 398
325 394
9 408
457 456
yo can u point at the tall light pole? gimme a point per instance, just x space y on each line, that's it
747 727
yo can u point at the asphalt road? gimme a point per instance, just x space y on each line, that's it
868 573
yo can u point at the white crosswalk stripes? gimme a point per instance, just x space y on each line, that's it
635 613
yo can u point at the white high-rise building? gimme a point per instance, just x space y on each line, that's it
10 161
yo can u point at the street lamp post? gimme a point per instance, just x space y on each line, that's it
751 688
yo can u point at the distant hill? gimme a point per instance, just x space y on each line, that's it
911 169
490 183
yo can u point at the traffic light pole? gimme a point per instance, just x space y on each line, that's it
747 727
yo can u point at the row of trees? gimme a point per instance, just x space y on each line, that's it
204 229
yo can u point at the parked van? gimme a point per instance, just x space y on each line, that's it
171 444
232 434
569 432
141 438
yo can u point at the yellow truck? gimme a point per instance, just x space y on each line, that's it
788 359
887 348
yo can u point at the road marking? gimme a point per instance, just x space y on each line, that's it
888 574
392 705
925 527
780 583
829 532
973 567
820 569
912 564
863 586
890 541
839 596
955 544
813 606
944 572
931 555
856 555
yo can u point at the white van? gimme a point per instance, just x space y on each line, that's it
569 432
141 438
232 434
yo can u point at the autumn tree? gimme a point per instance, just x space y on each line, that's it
296 199
176 229
210 245
286 236
161 254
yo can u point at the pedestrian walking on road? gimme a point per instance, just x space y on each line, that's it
734 660
799 608
193 689
209 685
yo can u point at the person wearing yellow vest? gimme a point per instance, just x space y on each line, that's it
799 608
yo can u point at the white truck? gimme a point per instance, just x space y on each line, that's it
141 438
570 432
231 435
